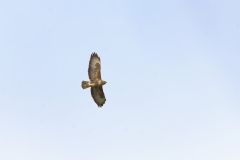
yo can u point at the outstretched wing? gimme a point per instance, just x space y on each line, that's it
94 68
98 95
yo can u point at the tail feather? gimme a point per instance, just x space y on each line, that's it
85 84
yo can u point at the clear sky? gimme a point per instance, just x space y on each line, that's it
172 70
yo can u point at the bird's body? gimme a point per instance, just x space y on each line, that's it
96 83
86 84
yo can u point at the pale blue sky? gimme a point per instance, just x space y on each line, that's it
173 73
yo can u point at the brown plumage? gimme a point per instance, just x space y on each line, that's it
96 83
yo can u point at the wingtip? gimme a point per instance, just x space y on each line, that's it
94 54
100 105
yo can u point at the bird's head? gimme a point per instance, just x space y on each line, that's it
104 82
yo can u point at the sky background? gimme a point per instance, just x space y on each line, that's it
172 70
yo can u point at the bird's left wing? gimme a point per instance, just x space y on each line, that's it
98 95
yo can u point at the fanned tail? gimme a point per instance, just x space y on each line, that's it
85 84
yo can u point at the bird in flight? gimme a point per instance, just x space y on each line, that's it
96 82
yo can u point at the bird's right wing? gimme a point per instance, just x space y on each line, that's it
94 68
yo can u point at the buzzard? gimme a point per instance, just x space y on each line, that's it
96 83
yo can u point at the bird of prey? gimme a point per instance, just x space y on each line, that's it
96 83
